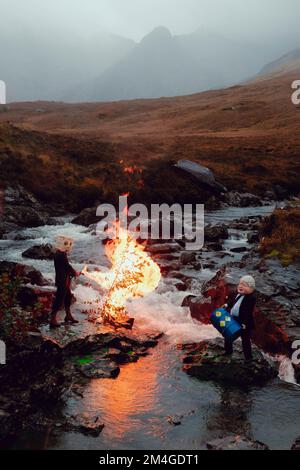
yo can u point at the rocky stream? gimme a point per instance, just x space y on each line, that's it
166 383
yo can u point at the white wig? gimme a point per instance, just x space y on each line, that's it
249 280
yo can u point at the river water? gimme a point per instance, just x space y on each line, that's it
137 406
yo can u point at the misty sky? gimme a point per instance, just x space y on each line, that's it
254 20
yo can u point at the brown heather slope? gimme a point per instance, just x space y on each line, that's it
249 135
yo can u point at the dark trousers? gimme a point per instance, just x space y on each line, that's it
246 342
63 297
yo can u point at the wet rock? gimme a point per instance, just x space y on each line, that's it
99 368
124 357
165 257
270 195
199 307
39 252
175 420
83 423
239 249
166 267
86 217
6 228
22 237
22 209
187 257
213 246
163 248
235 443
208 264
215 233
24 216
88 428
181 276
253 237
181 286
56 422
77 341
234 198
296 445
18 195
204 175
247 223
207 361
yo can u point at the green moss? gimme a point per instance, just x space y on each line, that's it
84 360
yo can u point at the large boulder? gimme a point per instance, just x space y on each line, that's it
21 209
39 252
24 216
207 361
86 217
6 227
203 174
200 308
215 233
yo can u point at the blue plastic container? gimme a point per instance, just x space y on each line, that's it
226 324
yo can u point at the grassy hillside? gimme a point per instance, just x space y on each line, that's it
248 135
77 173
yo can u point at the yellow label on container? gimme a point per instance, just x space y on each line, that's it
218 314
222 323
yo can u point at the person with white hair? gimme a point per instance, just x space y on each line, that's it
242 308
64 272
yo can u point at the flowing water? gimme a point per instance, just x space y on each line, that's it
137 406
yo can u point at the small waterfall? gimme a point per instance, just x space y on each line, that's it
286 369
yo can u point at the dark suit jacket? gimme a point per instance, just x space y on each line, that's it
246 310
63 269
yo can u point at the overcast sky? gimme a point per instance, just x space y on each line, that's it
255 20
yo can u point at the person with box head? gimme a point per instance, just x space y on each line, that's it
241 309
64 272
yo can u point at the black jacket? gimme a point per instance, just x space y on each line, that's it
63 269
246 310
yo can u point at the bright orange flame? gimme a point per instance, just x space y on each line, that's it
133 274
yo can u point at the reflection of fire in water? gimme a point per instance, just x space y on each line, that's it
133 274
122 403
